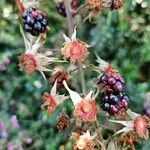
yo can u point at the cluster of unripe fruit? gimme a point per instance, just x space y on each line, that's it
114 99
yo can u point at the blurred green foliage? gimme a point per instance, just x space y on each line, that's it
119 37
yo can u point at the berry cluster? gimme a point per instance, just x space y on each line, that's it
111 83
114 99
114 102
34 21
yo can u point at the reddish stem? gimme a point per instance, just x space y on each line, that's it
20 7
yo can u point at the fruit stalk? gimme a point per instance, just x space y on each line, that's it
70 27
79 8
100 138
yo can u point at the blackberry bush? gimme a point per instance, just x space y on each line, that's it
34 21
86 114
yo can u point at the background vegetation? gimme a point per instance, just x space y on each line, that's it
119 37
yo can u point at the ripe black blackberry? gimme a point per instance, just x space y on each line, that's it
111 83
34 21
114 102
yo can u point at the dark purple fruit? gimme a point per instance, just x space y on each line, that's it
37 26
124 103
104 79
126 98
44 22
31 9
113 110
122 80
115 102
118 87
105 107
113 99
27 28
61 8
105 98
111 81
121 104
24 15
39 17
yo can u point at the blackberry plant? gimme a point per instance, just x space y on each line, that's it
115 101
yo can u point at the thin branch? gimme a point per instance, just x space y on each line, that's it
100 138
82 78
70 27
75 12
20 7
97 127
69 17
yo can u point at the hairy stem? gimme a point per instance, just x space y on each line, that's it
69 17
82 77
97 127
70 27
100 137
